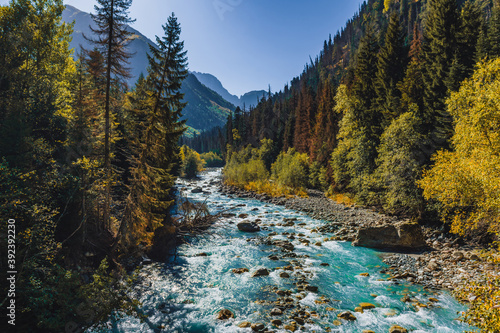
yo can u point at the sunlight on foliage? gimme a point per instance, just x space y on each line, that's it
212 160
467 180
247 169
291 169
191 162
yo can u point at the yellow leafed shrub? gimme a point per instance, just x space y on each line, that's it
466 181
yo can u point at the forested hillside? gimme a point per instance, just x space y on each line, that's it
371 107
399 111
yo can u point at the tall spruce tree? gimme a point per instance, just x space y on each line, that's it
156 149
468 35
111 19
412 85
439 49
494 31
392 60
368 118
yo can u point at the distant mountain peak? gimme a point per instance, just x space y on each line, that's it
249 99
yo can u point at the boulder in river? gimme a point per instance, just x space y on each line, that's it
346 315
366 306
260 272
258 327
225 314
247 226
402 235
239 270
197 190
276 312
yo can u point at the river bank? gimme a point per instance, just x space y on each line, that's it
447 262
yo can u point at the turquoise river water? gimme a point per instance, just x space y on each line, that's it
185 294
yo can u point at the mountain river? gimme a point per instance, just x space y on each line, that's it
187 293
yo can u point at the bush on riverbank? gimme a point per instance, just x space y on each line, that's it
291 169
247 169
191 162
212 160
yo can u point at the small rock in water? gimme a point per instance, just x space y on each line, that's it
324 264
203 254
258 327
225 314
366 306
239 270
276 312
243 216
246 226
364 274
197 190
397 329
312 288
245 324
260 272
276 322
273 257
347 315
284 275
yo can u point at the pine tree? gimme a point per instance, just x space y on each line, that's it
157 147
391 66
494 31
412 85
111 19
363 93
470 27
325 128
482 47
304 115
439 48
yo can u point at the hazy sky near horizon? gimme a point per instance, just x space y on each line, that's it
246 44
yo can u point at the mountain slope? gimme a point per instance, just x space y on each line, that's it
249 99
213 83
139 46
205 108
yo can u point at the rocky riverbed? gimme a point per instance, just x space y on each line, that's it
263 267
445 263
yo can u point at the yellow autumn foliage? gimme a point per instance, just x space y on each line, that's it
466 181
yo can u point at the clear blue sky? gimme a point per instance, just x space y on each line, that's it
247 44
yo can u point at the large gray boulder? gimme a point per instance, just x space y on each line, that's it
403 235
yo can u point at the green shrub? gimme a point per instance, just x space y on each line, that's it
291 169
191 162
212 160
240 174
317 177
400 164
